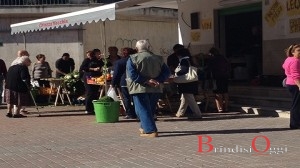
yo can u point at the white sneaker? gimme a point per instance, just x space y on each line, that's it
179 115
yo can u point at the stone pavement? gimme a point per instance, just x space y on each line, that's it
64 136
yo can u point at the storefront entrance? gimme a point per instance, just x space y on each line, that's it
240 38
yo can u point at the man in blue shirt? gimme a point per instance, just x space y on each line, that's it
118 80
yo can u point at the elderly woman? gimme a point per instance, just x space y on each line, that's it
16 89
16 61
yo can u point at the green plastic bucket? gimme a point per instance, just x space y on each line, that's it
106 112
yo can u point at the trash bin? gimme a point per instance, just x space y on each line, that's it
106 112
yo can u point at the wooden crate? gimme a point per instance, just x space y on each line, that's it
47 91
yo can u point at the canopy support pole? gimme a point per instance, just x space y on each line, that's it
105 57
24 40
104 35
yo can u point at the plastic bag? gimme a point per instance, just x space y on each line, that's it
112 93
34 83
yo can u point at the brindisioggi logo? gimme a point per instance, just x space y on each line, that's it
205 146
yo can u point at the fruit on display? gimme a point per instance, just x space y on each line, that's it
108 77
101 79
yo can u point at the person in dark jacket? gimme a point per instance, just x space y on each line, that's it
91 67
17 87
172 60
64 65
118 80
220 69
3 72
187 90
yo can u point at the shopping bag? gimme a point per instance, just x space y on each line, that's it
191 76
112 93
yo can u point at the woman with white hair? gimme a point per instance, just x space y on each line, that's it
18 60
16 88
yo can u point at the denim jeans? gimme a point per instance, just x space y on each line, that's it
92 93
145 106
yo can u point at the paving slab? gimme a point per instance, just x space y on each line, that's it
63 136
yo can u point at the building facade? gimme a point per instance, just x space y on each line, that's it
253 34
157 25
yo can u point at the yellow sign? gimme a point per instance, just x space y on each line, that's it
195 36
206 24
295 25
293 7
274 13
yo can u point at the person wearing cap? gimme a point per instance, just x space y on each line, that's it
64 65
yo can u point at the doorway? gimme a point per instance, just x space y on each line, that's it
240 39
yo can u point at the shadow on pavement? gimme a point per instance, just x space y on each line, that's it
57 115
234 131
210 117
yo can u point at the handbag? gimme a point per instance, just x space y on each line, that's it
190 76
284 82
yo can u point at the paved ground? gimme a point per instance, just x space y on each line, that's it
64 137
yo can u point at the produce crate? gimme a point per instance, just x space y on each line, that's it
93 81
47 91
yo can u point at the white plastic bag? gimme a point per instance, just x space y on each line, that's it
34 83
112 93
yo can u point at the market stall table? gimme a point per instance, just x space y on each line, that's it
61 90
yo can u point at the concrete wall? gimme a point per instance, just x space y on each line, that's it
274 55
125 33
199 40
281 28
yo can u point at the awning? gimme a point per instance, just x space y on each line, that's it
89 15
69 19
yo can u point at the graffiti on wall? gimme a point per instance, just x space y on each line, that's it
121 43
165 52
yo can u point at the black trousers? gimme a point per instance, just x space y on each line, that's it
92 93
295 108
127 100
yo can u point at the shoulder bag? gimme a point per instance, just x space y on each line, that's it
190 76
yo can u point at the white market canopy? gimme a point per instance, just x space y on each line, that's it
88 15
69 19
